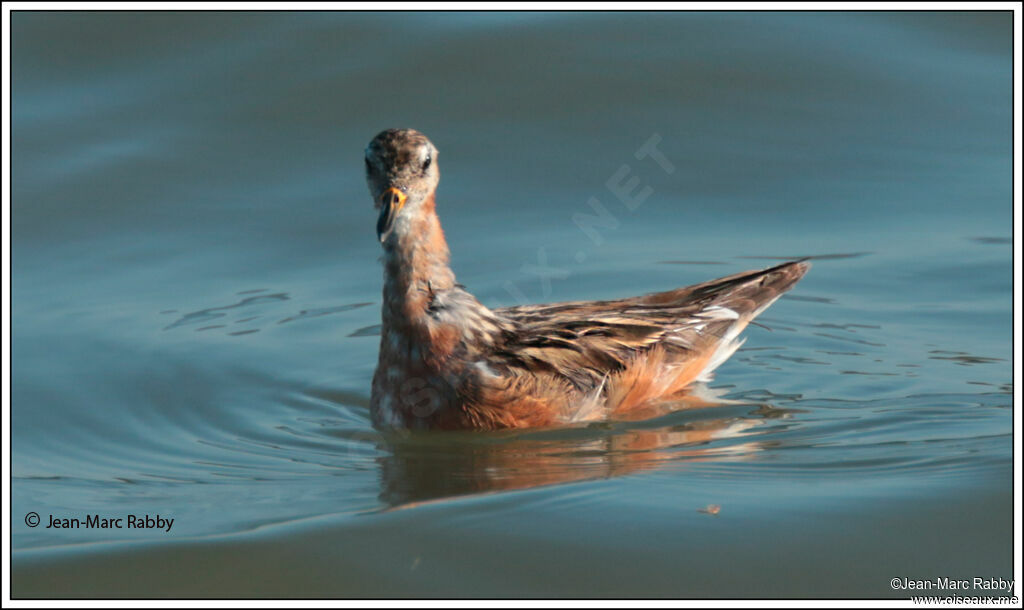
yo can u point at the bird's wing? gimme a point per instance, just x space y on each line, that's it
585 341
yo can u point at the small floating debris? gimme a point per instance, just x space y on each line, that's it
710 509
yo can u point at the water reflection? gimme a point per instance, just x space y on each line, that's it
429 466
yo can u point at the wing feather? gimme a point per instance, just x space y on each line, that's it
584 342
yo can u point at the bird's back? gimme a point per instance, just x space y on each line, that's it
587 360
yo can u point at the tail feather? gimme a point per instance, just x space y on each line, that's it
753 294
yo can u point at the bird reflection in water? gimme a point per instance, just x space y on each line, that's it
424 467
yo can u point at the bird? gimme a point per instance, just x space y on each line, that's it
448 362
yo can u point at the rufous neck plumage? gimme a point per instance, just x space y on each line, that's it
416 260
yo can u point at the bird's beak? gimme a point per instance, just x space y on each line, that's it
391 203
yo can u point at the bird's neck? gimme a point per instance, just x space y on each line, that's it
415 265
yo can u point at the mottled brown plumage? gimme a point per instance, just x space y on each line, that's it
446 361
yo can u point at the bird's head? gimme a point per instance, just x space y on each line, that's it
401 171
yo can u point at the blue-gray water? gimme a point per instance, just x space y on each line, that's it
196 287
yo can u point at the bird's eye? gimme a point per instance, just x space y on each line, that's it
426 164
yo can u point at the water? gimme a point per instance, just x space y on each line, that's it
196 292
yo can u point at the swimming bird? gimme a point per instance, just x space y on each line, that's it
448 362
